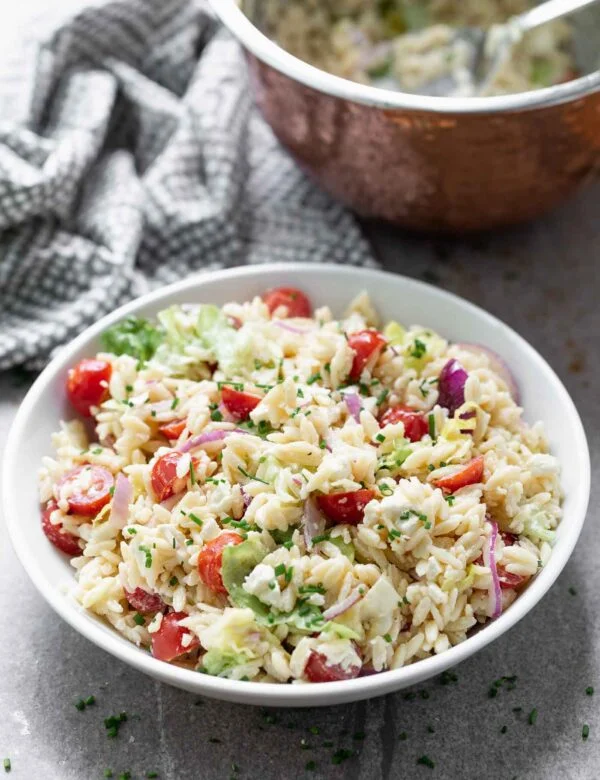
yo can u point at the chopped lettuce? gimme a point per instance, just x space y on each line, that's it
203 334
238 561
347 548
133 336
219 662
393 460
535 529
342 631
395 333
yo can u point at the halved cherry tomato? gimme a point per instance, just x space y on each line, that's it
87 384
366 345
64 540
346 508
508 580
167 642
145 603
238 404
318 669
86 489
173 430
469 475
415 423
294 300
210 560
164 479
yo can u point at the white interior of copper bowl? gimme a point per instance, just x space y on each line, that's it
248 31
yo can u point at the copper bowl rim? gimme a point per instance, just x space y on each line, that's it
273 55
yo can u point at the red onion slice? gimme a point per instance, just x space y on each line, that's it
342 606
354 405
489 559
451 386
245 498
291 328
122 496
313 521
207 438
498 366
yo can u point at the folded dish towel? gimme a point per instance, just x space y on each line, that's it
143 160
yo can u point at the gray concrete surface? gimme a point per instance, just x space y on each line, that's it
543 280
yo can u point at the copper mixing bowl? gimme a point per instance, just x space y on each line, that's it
430 163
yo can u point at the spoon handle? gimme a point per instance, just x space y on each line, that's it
547 12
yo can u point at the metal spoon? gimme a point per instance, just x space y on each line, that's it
489 50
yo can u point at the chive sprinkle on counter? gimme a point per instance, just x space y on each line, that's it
533 716
426 761
7 765
585 732
589 691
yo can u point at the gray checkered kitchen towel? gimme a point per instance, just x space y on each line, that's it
143 160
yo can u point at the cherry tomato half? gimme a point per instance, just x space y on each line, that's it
366 344
238 404
87 384
346 508
63 540
415 423
468 475
86 489
173 430
295 301
145 603
163 477
167 642
318 669
210 560
509 580
506 578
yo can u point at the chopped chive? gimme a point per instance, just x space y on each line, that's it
314 729
380 437
387 637
448 677
97 451
572 591
504 729
173 581
175 403
314 378
589 691
426 761
431 425
195 519
533 716
80 705
450 499
216 415
249 476
138 619
7 765
430 729
90 700
419 348
192 474
341 755
585 732
382 396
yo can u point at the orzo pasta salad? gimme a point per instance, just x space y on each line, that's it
273 494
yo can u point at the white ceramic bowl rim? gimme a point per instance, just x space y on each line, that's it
272 54
273 693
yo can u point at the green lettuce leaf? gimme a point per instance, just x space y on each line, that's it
134 336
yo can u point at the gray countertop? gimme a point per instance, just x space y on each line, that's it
542 280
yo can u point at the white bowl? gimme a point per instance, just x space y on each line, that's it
543 397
